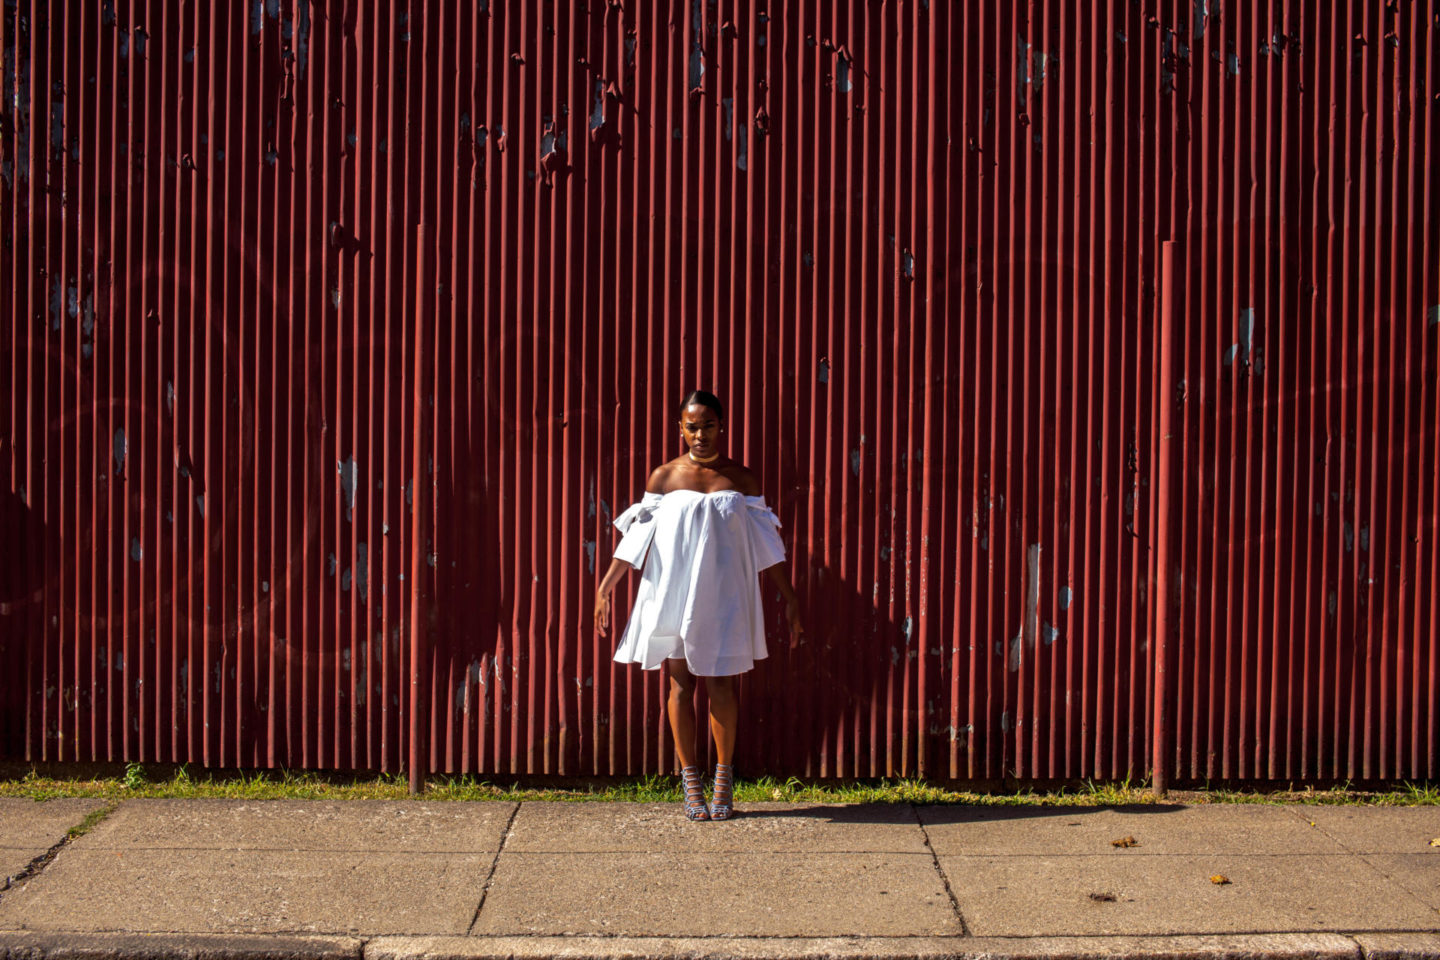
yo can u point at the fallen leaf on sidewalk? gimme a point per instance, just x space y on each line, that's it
1435 842
1103 897
1219 878
1125 842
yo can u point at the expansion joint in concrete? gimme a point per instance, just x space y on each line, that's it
939 869
494 864
37 865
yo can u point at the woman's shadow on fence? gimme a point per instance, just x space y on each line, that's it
841 703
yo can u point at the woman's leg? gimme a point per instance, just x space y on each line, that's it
681 708
724 721
724 716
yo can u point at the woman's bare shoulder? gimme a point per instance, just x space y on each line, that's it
744 479
660 477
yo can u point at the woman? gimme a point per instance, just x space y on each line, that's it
701 534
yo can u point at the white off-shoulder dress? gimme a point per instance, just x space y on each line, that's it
699 599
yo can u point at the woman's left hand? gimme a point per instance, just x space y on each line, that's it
792 613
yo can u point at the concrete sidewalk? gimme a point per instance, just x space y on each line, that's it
401 880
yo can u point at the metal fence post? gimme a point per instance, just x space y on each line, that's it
1160 642
419 498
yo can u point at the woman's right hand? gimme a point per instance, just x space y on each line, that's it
603 591
602 610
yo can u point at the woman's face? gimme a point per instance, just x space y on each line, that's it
701 428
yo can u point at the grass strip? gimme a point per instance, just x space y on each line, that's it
292 785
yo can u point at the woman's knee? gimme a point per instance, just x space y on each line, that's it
720 689
682 683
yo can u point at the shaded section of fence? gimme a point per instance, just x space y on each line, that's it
257 436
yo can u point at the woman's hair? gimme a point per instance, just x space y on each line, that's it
705 399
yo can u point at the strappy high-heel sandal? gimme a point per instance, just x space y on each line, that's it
722 799
695 808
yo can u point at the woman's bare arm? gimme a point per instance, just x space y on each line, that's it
602 593
781 579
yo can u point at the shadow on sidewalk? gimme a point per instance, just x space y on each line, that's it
906 813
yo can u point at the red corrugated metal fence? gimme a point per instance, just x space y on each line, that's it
336 335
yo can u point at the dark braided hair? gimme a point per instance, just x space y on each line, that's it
705 399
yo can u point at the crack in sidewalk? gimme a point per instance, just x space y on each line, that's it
1364 857
35 866
935 858
494 864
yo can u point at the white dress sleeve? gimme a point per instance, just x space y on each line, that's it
637 524
765 543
